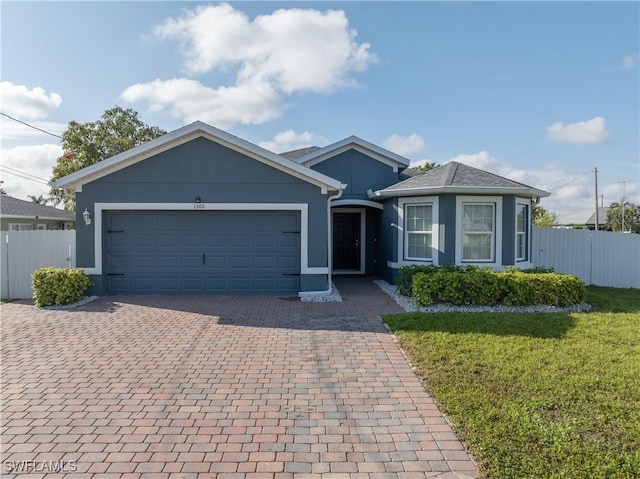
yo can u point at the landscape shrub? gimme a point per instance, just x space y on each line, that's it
482 287
58 286
404 281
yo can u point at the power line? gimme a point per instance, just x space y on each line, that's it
23 176
30 126
571 181
23 172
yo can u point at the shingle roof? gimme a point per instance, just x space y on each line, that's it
456 176
13 207
299 153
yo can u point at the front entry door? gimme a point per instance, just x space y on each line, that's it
346 241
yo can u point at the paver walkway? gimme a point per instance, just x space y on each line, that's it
218 387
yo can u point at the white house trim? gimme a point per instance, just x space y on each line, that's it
100 208
363 238
353 142
371 204
496 262
526 263
183 135
435 231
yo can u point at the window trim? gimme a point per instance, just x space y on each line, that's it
20 227
527 231
403 234
496 243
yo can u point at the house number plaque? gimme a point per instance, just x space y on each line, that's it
198 206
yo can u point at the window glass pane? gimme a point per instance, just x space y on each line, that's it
419 217
477 217
521 218
476 246
419 245
521 247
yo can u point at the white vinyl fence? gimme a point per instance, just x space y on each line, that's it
22 252
600 258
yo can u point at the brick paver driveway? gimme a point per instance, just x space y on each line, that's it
217 387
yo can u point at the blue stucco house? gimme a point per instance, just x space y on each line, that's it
199 210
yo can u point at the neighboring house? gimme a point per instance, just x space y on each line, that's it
584 219
20 215
199 210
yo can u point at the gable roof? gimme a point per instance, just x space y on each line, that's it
300 152
353 142
454 177
584 218
15 208
183 135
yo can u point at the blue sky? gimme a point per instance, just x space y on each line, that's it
540 92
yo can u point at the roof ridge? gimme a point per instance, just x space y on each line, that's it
451 172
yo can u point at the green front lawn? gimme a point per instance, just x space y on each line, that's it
537 395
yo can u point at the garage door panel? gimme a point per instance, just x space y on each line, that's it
163 251
264 262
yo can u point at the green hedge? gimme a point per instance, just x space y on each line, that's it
478 287
57 286
406 274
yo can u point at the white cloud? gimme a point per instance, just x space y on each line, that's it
25 104
582 132
23 163
223 107
292 49
405 145
290 140
286 52
11 130
630 62
483 161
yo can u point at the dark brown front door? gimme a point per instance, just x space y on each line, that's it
346 241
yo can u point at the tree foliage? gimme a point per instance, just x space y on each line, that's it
631 217
544 218
39 200
84 144
2 190
426 167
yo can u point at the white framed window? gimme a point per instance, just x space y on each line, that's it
522 231
20 227
479 230
417 230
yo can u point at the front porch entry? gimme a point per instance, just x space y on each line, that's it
348 246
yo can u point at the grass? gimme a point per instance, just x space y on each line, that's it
537 395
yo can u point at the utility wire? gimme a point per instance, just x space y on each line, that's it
571 181
23 176
30 126
22 172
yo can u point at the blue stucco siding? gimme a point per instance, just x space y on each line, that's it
216 174
447 220
508 230
359 171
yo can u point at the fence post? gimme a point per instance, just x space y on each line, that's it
7 254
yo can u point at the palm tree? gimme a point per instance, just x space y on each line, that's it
40 200
627 222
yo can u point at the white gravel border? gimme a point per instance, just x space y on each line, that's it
333 297
407 304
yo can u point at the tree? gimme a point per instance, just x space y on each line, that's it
39 200
426 167
631 217
2 190
84 144
544 218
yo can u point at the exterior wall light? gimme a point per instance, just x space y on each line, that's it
87 217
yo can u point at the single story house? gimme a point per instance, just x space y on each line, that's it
21 215
584 219
199 210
